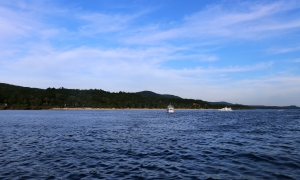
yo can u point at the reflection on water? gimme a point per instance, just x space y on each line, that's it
129 144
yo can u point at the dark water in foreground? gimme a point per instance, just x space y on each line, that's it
261 144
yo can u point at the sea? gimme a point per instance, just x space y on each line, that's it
149 144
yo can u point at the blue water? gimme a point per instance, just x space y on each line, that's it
150 144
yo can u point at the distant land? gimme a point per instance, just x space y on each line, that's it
258 106
153 94
18 97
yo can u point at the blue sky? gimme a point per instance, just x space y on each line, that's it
244 52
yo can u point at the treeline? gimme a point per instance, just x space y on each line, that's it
17 97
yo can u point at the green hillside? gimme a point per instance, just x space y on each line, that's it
153 94
17 97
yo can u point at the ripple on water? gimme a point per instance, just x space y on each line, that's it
149 145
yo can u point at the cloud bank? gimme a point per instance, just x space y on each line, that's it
222 52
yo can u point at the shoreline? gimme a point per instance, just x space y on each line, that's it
117 109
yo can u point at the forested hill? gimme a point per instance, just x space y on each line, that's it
153 94
17 97
257 106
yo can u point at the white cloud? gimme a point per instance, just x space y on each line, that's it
130 70
98 59
275 50
96 23
248 20
117 65
14 24
26 23
262 90
295 60
38 50
229 69
101 23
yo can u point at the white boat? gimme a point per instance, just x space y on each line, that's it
170 109
225 109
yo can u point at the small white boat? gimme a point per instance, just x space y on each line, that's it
170 109
225 109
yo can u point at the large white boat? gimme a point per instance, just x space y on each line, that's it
225 109
170 109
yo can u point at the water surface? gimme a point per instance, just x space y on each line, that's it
150 144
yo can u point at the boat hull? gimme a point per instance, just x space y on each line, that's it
225 109
170 110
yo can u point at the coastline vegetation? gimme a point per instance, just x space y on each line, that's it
17 97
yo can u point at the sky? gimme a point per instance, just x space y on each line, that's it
239 51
